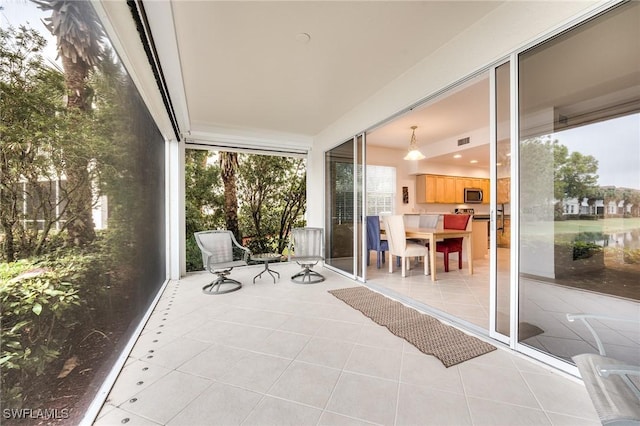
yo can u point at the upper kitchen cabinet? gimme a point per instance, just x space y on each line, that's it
461 184
467 182
485 185
426 189
504 190
447 189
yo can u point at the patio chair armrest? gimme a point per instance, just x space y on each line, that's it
246 253
605 370
585 319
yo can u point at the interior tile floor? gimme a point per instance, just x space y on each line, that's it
464 299
291 354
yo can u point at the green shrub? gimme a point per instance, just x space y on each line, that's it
41 302
193 255
584 250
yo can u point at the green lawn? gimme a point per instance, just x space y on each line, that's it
568 227
606 226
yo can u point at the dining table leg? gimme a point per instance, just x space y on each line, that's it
432 257
469 254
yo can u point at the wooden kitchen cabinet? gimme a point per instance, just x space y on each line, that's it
504 190
485 185
461 184
435 189
448 189
445 189
425 189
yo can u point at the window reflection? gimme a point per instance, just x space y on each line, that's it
580 185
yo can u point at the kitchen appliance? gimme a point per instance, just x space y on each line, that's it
464 211
473 195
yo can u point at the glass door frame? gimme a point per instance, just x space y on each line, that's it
359 208
493 206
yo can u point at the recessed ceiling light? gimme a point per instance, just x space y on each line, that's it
508 154
473 161
457 156
303 38
498 164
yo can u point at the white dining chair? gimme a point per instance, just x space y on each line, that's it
400 247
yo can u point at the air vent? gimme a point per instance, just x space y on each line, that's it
463 141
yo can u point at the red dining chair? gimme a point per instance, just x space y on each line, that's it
452 245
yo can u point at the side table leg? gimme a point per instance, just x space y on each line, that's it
271 272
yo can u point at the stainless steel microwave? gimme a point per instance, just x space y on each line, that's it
473 195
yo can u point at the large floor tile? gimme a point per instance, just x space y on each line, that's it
214 362
308 384
283 344
171 393
133 378
368 398
327 352
487 412
497 384
332 419
424 370
118 416
419 405
378 336
559 395
257 372
340 330
273 411
377 362
220 404
176 353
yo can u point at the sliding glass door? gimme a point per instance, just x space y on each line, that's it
500 288
344 206
579 180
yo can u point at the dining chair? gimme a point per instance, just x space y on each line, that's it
452 245
426 221
220 254
429 220
374 242
400 247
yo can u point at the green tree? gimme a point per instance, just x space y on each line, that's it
577 174
273 196
204 201
79 38
549 173
31 102
228 169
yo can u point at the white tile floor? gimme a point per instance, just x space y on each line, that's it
544 305
280 354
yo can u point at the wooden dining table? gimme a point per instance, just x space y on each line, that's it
433 234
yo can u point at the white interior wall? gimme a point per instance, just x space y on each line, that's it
506 29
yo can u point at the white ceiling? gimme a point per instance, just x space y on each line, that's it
243 64
452 115
293 68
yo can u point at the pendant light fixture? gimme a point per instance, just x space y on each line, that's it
414 153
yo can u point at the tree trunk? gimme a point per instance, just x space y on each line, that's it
8 214
9 245
80 226
229 165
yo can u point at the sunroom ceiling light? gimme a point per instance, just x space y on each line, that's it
414 153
